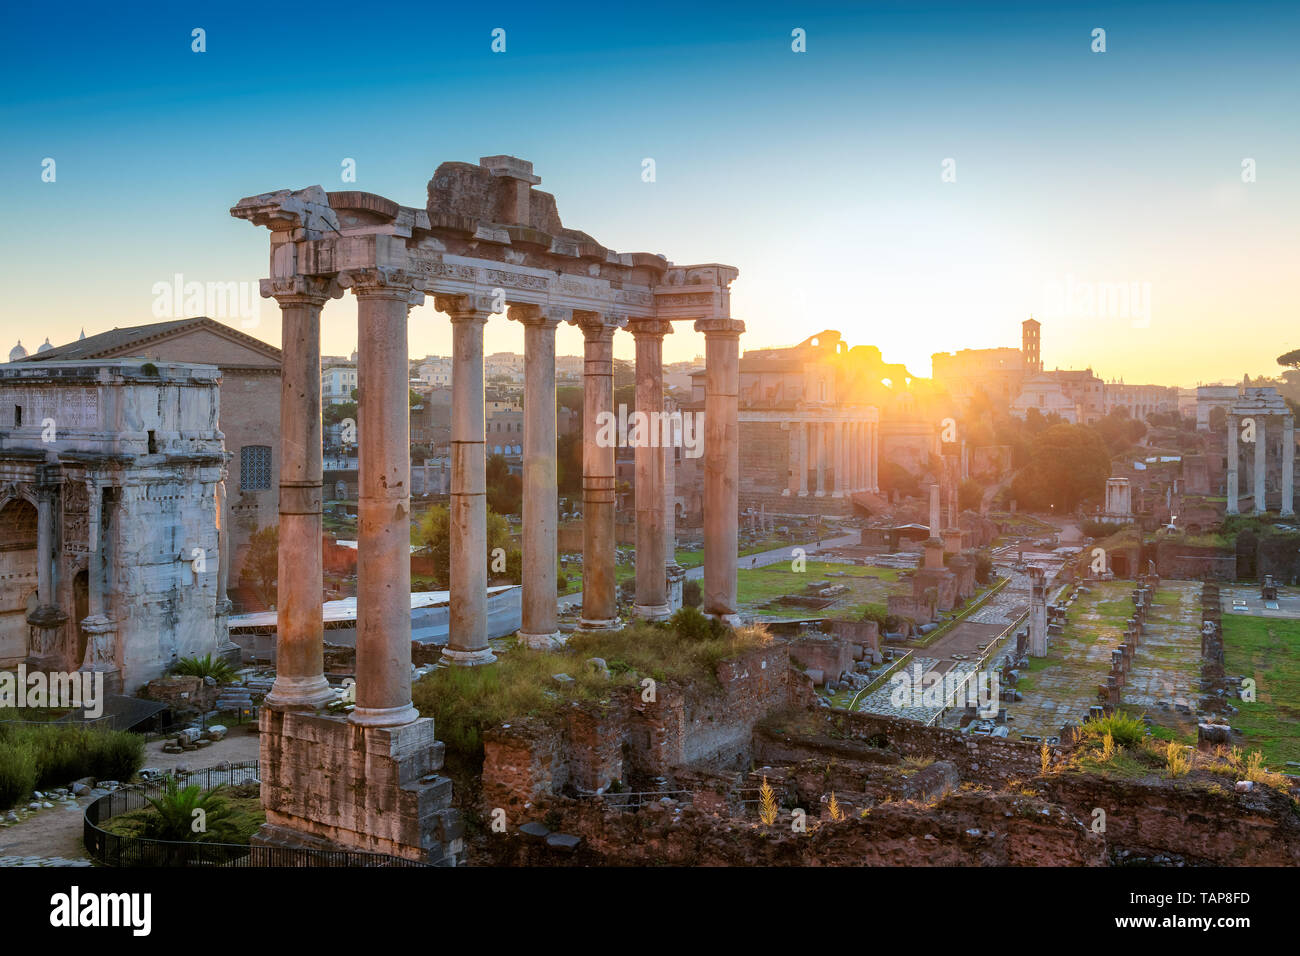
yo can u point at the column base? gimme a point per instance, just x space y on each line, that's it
1287 513
299 693
542 642
837 494
454 658
607 624
652 612
819 494
384 716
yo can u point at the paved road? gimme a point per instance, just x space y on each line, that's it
760 560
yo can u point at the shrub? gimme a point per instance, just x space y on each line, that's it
206 666
692 594
63 753
1125 729
174 816
692 625
1177 759
17 773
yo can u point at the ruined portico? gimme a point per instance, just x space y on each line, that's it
487 242
1253 421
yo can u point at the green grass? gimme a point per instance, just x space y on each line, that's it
465 700
868 585
1268 650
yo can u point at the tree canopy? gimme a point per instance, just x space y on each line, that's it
1067 464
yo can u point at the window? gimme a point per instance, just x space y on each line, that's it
255 468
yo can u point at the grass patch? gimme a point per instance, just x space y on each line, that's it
1267 650
42 756
465 700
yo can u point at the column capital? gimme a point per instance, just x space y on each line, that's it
598 324
465 307
654 327
541 315
720 327
385 283
301 290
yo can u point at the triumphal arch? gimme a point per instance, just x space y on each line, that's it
487 242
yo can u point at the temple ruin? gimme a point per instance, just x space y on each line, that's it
487 242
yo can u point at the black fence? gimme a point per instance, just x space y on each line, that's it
111 849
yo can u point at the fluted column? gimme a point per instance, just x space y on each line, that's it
1261 467
299 662
1288 466
837 460
651 585
721 463
1233 489
383 692
467 641
875 456
599 600
541 511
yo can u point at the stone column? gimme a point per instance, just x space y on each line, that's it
384 501
47 620
803 458
299 661
599 600
467 642
792 456
1288 466
839 485
935 530
541 510
1233 489
651 584
721 463
819 444
875 456
1261 467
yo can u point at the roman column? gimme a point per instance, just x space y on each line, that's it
1288 466
383 692
839 484
819 443
1232 465
803 459
467 641
721 463
875 456
651 585
599 436
1261 467
300 630
541 509
935 530
792 457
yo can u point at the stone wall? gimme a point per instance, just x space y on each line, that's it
629 739
1189 562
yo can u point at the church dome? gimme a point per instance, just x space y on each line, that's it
46 346
17 352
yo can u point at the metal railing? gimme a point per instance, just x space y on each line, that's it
116 850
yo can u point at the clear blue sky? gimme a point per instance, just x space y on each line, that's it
818 174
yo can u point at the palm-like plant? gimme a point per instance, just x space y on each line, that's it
189 814
205 666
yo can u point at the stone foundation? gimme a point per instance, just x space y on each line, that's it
326 781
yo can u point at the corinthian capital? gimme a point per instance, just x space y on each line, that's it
316 290
478 305
598 324
385 282
545 315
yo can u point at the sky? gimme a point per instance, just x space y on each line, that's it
923 177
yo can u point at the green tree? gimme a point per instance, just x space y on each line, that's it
505 491
434 534
1067 465
262 564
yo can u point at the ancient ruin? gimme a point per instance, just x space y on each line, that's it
486 242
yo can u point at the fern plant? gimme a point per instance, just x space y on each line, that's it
188 814
767 808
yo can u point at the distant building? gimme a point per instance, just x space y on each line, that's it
337 383
1140 400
